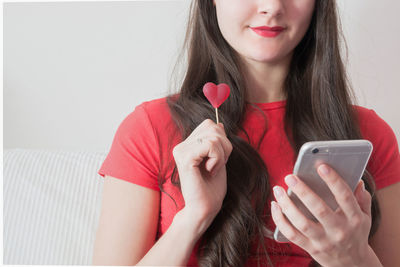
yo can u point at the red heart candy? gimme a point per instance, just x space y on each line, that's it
216 95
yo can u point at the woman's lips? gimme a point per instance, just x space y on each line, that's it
268 31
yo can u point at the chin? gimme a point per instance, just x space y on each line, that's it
267 58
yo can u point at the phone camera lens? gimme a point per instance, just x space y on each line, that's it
315 150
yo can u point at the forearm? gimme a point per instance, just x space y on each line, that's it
176 245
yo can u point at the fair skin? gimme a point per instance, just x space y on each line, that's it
341 237
266 60
128 224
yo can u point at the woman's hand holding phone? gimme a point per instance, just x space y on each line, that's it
200 161
340 238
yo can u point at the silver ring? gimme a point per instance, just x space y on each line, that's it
199 140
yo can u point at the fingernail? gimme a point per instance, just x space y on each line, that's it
363 185
290 180
278 191
324 169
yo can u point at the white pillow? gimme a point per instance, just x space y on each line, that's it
52 202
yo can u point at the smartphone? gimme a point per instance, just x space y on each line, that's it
347 157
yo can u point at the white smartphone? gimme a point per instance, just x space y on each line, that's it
347 157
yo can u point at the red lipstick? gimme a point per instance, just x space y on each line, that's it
268 31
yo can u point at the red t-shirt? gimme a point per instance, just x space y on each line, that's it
141 142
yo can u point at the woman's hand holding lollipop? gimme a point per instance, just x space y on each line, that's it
200 161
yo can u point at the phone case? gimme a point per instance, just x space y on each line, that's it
348 158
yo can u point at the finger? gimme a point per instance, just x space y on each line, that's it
307 227
210 163
206 124
226 144
207 150
210 129
216 155
288 230
205 127
343 194
363 198
218 140
317 206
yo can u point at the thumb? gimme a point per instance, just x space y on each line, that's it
363 198
210 164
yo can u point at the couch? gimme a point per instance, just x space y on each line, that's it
52 202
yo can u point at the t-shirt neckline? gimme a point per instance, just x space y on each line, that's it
270 105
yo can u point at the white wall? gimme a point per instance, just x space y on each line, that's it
372 32
74 70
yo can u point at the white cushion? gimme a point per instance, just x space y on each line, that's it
52 202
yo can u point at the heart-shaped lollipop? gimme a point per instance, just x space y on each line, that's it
216 94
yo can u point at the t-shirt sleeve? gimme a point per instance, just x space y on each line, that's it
384 163
133 155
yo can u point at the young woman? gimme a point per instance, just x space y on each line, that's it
181 190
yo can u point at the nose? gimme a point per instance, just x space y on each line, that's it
272 8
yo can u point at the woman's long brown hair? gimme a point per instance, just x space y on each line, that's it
318 107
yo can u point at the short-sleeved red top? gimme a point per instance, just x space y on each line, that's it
140 145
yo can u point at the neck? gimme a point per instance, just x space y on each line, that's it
265 81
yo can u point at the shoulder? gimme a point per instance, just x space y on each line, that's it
156 108
158 114
363 113
373 126
146 117
384 164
